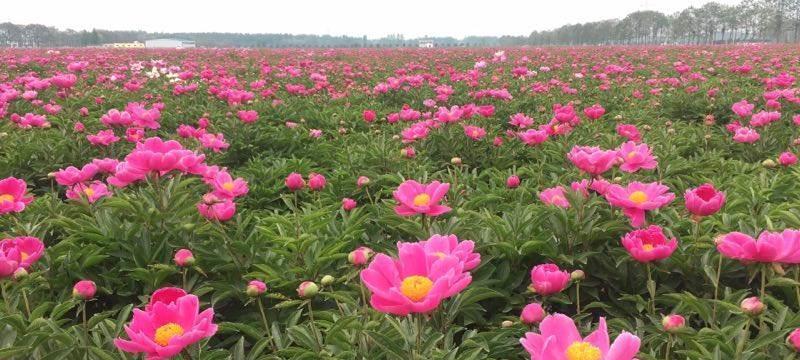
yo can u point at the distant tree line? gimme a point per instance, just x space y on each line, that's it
749 21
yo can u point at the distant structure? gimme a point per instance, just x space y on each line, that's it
168 44
426 43
128 45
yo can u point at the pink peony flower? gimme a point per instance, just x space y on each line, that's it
554 196
13 197
770 247
559 339
164 330
647 245
635 157
629 132
90 191
742 108
420 199
752 306
416 282
225 187
746 135
449 245
592 159
369 116
103 138
72 175
548 279
29 248
704 200
533 137
594 112
636 198
214 208
512 182
474 132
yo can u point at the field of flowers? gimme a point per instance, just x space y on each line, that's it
546 203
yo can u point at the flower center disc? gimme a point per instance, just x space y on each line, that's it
583 351
422 200
638 197
416 287
6 198
166 332
228 186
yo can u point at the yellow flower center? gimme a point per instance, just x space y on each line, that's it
582 350
422 200
638 197
89 192
439 254
648 247
4 198
631 154
24 256
416 287
475 133
228 186
166 332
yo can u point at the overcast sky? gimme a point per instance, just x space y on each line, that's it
374 18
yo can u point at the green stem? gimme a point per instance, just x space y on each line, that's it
669 345
716 293
27 304
651 286
763 293
185 285
418 342
266 324
314 326
6 299
797 288
578 295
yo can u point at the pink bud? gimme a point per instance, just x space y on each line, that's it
316 182
362 180
359 256
512 182
184 258
255 288
84 290
752 306
532 313
348 204
673 323
307 289
295 182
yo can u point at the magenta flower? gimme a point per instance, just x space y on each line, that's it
474 132
592 159
225 187
746 135
636 198
554 196
164 330
214 208
548 279
770 247
636 156
416 282
102 138
72 175
420 199
647 245
91 192
704 200
13 197
294 181
559 339
532 313
449 245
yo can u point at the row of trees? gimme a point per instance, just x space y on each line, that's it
749 21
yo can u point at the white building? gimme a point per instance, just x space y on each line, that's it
426 43
131 45
168 44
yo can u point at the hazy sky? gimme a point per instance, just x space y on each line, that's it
374 18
